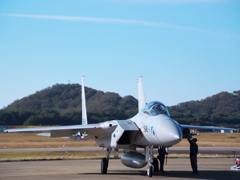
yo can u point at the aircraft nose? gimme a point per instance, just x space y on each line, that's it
169 132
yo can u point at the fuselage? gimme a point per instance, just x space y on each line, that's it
156 126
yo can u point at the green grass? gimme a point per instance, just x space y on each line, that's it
32 156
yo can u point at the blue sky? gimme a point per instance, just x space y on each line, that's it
185 49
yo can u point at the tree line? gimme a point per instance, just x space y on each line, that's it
61 105
52 117
207 120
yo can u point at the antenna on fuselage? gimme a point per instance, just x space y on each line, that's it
141 96
84 109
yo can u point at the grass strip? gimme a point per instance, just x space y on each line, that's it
31 156
36 156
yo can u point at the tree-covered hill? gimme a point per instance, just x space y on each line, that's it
67 98
221 103
220 109
61 105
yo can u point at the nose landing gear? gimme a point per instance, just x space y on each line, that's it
150 161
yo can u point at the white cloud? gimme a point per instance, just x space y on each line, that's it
107 20
120 21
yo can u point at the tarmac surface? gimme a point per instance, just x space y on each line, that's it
176 168
171 150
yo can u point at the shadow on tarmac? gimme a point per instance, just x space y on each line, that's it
211 175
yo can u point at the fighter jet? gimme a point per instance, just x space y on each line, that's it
152 127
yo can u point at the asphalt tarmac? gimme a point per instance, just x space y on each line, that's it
176 168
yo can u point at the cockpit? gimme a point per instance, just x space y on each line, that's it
155 108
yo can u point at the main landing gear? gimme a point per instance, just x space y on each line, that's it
104 165
153 164
105 161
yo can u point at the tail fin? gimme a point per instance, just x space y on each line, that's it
141 96
84 109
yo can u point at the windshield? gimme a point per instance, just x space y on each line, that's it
155 108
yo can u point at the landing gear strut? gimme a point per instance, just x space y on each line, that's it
150 161
105 161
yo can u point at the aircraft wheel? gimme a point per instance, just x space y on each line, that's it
150 171
155 164
104 166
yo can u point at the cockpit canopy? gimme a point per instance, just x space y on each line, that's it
155 108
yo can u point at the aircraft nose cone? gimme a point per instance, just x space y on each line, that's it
170 132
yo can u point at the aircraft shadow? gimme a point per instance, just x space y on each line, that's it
122 172
219 175
222 175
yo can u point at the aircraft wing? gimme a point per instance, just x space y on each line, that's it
205 127
90 130
187 134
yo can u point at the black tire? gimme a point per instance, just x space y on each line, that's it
155 164
150 171
104 166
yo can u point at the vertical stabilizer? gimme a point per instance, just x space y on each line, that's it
141 96
84 109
